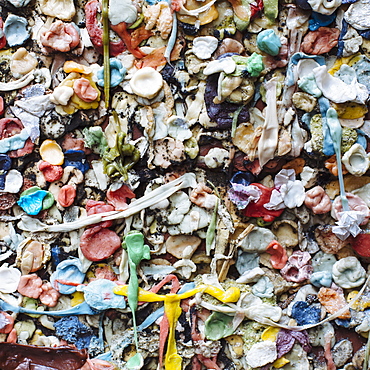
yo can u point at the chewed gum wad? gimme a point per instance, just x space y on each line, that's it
184 185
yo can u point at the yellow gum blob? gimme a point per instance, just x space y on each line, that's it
75 102
280 362
351 60
51 152
270 333
77 298
350 110
236 341
71 66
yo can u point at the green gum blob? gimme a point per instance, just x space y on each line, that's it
255 65
48 200
121 158
95 139
269 42
270 9
218 325
262 223
252 64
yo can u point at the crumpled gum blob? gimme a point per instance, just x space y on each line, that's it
75 103
51 172
31 255
355 204
317 200
60 36
297 268
15 30
49 296
84 90
202 196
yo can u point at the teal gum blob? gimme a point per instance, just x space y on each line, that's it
269 42
32 203
321 278
117 73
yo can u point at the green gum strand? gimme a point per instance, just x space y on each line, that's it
136 251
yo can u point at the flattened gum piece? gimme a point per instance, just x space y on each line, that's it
118 198
22 62
30 286
99 243
320 41
67 195
84 90
32 257
333 302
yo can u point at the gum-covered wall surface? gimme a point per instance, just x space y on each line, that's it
184 184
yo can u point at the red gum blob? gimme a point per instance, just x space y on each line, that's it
361 244
49 296
66 195
93 207
6 323
320 41
96 32
118 198
258 210
30 286
98 243
51 173
84 90
279 257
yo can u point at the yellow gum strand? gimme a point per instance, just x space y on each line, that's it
172 310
